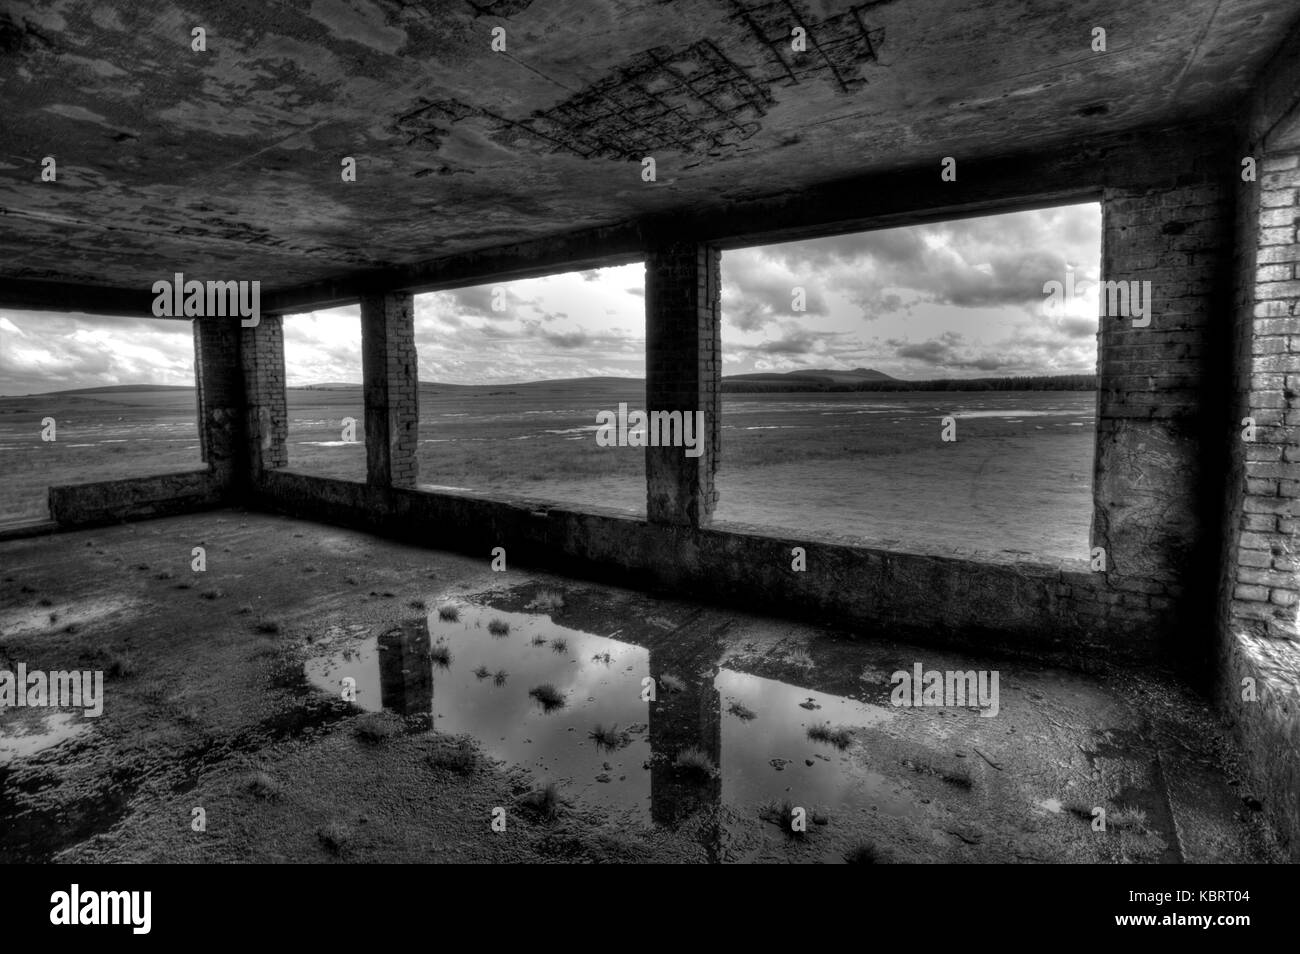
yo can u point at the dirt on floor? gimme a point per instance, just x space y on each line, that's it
317 694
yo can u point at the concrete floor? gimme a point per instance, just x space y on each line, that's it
216 700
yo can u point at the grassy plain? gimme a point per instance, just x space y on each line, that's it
867 466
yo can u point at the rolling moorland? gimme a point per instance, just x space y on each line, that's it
836 457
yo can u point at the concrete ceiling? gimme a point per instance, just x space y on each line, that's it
226 163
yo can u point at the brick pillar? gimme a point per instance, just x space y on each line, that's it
392 395
1158 429
683 294
221 396
266 412
1263 514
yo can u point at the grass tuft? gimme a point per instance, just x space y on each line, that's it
609 737
672 683
545 802
458 756
376 728
1128 818
441 655
741 711
559 645
781 814
499 677
840 737
863 853
499 627
482 672
547 601
448 614
694 761
549 697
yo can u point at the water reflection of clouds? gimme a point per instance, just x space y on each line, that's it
511 725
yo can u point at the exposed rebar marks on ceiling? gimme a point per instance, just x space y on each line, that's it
693 99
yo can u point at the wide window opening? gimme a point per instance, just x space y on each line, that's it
513 377
86 398
925 388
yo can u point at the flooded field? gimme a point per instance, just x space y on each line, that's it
869 467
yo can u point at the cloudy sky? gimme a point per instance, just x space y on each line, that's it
954 299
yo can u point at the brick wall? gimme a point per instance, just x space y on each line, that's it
1261 526
683 293
1259 650
389 367
1158 466
265 403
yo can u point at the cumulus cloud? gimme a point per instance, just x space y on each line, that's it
958 298
961 297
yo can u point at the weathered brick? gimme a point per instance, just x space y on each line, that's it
1279 163
1275 273
1259 577
1255 558
1281 597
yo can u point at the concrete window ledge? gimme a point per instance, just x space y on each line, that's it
937 598
134 498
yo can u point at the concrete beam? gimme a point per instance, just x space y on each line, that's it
590 248
1274 107
25 295
1070 172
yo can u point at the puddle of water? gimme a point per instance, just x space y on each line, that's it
24 620
753 730
23 738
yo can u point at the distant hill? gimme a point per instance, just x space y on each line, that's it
814 379
813 375
118 389
860 381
